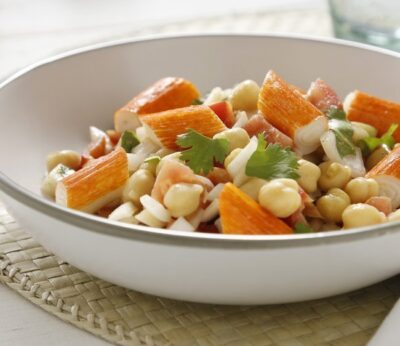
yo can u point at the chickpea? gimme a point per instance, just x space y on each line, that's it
279 197
372 131
139 184
245 95
173 156
231 156
309 175
360 189
68 158
252 187
333 174
332 205
183 199
358 215
395 216
377 155
237 137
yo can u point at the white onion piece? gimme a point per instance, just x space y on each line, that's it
211 212
148 219
217 95
195 219
348 101
237 167
181 224
141 133
124 211
241 119
155 208
131 219
215 192
205 181
151 135
390 187
134 161
96 134
355 162
218 224
307 138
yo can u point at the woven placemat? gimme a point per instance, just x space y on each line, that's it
126 317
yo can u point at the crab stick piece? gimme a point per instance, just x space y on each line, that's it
322 96
290 113
240 214
372 110
387 174
95 185
257 124
166 126
167 93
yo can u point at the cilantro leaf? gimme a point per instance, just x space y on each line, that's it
343 131
272 161
369 144
302 228
129 141
335 113
203 151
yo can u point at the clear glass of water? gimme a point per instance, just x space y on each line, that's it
375 22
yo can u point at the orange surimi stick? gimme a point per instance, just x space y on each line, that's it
240 214
167 93
290 113
387 174
166 126
96 184
372 110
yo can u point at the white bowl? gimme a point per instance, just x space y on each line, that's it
51 106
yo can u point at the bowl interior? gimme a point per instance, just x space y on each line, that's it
51 107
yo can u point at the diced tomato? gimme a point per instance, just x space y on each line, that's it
207 228
224 111
114 136
98 148
85 159
322 96
295 218
219 175
257 124
382 203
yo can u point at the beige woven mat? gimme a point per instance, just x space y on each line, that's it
126 317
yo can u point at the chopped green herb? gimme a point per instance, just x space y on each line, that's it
343 132
129 141
197 102
369 144
272 161
203 151
302 228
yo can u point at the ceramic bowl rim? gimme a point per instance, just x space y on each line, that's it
91 223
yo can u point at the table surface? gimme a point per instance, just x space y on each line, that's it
30 31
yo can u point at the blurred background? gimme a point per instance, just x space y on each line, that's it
33 30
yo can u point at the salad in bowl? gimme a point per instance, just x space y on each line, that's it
269 159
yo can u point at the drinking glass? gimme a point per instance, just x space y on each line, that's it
375 22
